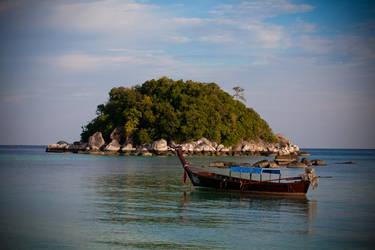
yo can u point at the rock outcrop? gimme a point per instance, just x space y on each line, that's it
159 145
283 141
62 143
318 163
58 147
296 164
346 162
283 149
96 141
303 154
286 159
306 162
266 164
201 146
114 145
262 164
117 135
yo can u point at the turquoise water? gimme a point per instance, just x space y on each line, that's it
71 201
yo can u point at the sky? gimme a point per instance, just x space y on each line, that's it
307 67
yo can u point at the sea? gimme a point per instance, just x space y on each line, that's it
78 201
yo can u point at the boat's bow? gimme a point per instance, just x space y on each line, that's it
184 163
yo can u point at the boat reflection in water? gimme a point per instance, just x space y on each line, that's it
153 210
267 213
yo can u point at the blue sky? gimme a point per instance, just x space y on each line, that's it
306 66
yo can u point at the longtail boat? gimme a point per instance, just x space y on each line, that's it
291 186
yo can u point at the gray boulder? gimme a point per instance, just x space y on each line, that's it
217 164
96 140
201 145
246 147
318 163
188 147
62 143
113 146
283 141
273 164
296 165
220 147
346 162
203 140
57 147
306 162
145 147
250 146
204 148
78 145
262 164
116 134
238 147
127 148
146 153
159 145
303 154
285 159
205 145
225 149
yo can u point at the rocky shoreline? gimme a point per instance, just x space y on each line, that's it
97 145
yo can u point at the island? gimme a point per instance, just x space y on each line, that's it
158 116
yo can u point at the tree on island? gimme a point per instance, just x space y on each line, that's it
238 93
179 111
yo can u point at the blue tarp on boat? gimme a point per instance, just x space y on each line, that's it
250 170
272 171
254 170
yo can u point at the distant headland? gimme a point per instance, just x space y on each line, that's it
156 117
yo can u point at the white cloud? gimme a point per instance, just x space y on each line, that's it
303 27
179 39
266 35
188 21
260 9
225 38
315 44
239 25
136 51
77 61
104 16
274 7
116 58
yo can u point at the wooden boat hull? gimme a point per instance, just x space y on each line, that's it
217 181
295 186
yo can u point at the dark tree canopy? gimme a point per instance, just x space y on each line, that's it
179 111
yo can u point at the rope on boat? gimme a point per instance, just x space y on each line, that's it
184 178
310 176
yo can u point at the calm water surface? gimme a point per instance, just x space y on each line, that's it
70 201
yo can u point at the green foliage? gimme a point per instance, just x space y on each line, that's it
179 111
